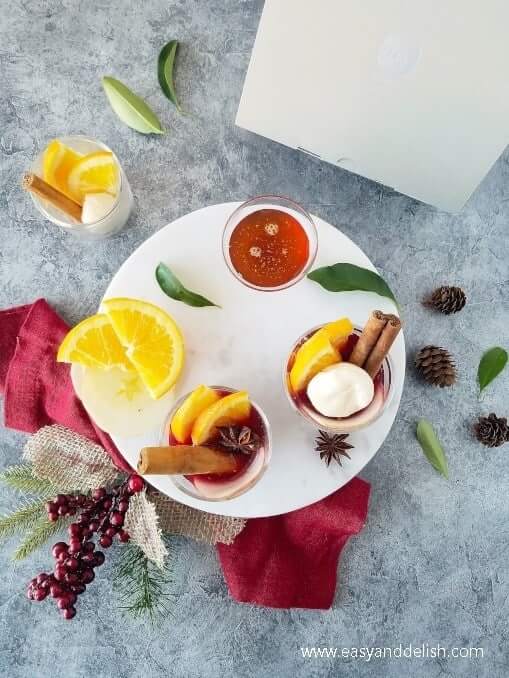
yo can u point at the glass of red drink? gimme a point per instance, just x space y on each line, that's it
383 391
270 243
250 468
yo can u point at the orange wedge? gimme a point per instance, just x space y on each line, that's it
93 173
232 409
338 332
312 357
57 162
198 401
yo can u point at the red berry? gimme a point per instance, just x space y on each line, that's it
107 504
123 505
83 519
88 559
60 572
64 601
62 510
56 591
71 564
71 578
40 593
88 547
41 577
105 541
53 517
61 499
135 484
99 493
51 507
74 530
117 519
110 532
87 576
68 612
93 526
78 589
98 558
74 546
123 536
59 547
30 593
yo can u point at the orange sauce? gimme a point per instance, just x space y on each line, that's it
268 248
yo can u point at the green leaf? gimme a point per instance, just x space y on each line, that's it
42 531
23 518
22 478
165 65
492 363
348 278
431 447
130 108
171 285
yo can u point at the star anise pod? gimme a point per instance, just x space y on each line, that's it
332 446
238 439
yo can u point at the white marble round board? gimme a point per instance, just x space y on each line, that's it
244 344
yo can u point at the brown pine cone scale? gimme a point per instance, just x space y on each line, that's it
436 365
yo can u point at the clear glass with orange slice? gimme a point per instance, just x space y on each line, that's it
89 173
211 415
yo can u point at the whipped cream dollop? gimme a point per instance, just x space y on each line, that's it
96 206
341 390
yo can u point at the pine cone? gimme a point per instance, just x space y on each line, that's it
436 366
492 431
447 299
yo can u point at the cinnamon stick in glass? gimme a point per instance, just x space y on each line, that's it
34 184
370 334
184 460
383 345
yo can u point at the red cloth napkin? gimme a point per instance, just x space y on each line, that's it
284 561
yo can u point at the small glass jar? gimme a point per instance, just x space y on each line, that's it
384 389
282 204
208 489
108 225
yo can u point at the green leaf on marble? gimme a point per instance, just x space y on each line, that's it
492 364
344 277
130 108
171 286
431 447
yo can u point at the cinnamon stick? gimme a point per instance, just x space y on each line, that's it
372 330
383 345
31 182
184 460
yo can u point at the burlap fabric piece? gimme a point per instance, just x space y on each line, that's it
72 462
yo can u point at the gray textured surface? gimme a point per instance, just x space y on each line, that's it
431 565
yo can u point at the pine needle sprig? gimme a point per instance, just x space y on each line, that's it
142 586
23 479
39 535
23 519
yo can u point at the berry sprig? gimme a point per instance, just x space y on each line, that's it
102 513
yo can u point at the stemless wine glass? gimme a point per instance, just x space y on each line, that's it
230 487
108 225
384 389
282 204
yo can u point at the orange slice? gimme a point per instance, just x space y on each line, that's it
57 163
182 423
232 409
93 343
313 356
338 332
93 173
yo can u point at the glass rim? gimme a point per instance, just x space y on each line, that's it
312 238
164 436
387 365
71 225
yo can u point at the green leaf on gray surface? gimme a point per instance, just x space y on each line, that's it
130 108
431 447
165 67
492 364
171 285
344 277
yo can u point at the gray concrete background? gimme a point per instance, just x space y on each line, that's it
431 564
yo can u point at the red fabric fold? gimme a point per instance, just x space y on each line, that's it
284 561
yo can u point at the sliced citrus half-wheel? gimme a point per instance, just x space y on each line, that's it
151 339
312 357
232 409
338 332
93 173
93 343
195 403
57 162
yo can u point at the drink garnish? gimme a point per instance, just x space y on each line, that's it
332 446
238 439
